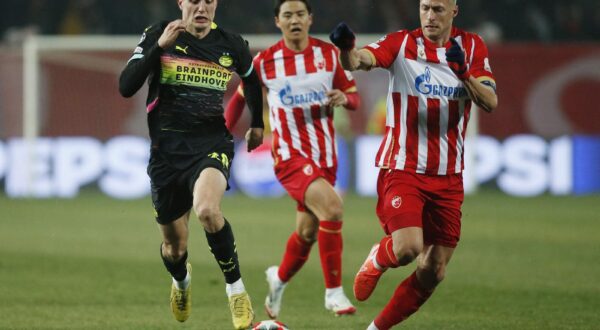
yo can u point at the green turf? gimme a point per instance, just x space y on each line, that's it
92 263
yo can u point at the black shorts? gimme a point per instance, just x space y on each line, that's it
172 177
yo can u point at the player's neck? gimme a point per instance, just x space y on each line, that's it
200 34
440 41
296 45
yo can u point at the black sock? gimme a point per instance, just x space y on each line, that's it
177 269
222 246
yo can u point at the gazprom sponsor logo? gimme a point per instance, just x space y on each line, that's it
424 86
288 98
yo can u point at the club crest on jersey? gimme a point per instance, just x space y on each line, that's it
320 65
288 98
307 169
226 60
396 202
424 86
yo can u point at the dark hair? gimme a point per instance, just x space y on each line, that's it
278 4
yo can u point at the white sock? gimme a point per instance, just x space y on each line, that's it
333 291
236 287
182 285
372 326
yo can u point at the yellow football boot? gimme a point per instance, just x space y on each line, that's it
241 310
181 300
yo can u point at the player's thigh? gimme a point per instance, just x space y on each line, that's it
209 188
442 214
399 201
322 199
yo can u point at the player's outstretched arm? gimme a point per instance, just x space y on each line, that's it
350 58
482 92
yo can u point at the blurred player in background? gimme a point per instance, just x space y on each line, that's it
188 63
304 82
436 72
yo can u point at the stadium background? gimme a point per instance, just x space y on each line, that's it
73 254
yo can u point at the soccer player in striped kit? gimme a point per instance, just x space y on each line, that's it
304 82
438 73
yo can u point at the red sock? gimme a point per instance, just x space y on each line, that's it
385 255
407 299
296 254
330 250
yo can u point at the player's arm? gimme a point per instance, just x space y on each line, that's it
482 90
350 58
146 57
344 92
349 100
253 96
235 107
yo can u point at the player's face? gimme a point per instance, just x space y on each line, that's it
436 18
294 21
198 15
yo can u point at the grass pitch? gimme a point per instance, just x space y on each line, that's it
92 263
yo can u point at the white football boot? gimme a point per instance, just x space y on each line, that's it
337 302
276 288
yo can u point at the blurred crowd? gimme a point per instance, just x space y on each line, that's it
498 20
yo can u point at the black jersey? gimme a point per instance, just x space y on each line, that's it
187 83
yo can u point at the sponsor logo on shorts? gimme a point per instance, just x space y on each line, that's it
307 169
396 202
222 158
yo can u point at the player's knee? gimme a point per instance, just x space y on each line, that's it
432 273
308 233
333 211
207 214
174 251
407 252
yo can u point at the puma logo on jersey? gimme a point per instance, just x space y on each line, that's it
181 49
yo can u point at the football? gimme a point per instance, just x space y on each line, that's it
270 325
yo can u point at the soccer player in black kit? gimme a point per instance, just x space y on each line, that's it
188 63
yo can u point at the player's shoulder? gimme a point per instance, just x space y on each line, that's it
321 43
394 37
230 36
269 51
156 28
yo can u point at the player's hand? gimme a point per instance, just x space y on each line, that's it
455 56
343 37
336 98
170 34
254 138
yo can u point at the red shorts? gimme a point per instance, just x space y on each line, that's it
414 200
297 173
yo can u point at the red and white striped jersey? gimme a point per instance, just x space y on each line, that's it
428 107
297 84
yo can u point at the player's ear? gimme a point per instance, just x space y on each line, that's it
310 19
277 22
455 11
179 3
